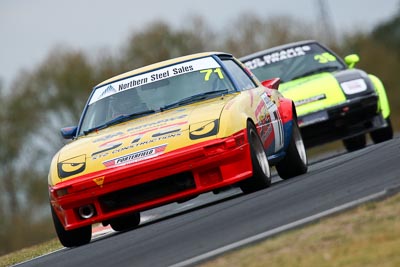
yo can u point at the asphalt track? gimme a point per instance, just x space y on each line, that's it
186 234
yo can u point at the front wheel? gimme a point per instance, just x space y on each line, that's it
261 171
383 134
125 223
71 238
295 161
355 143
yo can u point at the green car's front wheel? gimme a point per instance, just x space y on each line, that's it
355 143
383 134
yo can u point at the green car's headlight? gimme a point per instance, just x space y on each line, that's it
354 86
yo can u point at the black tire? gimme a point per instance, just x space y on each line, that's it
295 161
125 223
261 171
383 134
71 238
355 143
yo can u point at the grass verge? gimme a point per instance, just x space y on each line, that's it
368 235
30 253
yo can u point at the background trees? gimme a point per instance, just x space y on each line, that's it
40 102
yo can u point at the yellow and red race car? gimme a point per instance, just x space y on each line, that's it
166 133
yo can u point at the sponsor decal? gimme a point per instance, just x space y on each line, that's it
313 118
136 156
309 100
136 143
277 56
152 76
264 121
160 133
265 127
109 136
182 69
165 132
270 119
131 84
260 109
109 90
159 122
103 152
268 102
71 166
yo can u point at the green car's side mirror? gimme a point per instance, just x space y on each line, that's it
351 60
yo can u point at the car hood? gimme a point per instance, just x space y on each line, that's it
313 93
140 139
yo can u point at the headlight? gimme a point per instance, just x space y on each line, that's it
354 86
203 129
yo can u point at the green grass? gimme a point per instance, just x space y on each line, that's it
30 253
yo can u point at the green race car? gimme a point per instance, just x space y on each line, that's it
334 100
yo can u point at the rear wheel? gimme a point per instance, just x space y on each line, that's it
295 161
125 223
71 238
355 143
383 134
261 171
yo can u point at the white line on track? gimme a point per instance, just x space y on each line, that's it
277 230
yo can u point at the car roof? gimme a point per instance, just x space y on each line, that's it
277 48
160 65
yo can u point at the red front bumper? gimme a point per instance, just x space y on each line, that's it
168 178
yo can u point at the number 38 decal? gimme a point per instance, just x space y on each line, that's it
324 58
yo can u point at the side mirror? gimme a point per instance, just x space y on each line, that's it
69 132
272 83
351 60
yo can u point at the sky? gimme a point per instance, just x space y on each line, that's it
30 29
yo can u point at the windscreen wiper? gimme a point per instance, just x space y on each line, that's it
194 98
119 119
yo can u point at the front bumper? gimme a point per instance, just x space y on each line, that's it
356 116
174 176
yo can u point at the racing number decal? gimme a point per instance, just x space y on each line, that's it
208 73
324 58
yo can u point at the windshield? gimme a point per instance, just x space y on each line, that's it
293 63
154 91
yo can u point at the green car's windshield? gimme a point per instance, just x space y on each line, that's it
293 63
154 91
